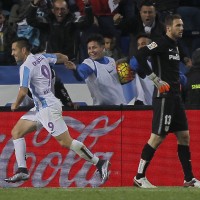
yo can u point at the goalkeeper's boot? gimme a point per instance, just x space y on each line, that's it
143 183
193 183
103 169
21 175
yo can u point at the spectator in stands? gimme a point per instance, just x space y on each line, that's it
103 14
192 88
100 75
111 48
191 36
5 40
147 22
60 28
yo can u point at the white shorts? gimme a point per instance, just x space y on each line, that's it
52 120
31 116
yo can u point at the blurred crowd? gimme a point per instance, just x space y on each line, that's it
64 25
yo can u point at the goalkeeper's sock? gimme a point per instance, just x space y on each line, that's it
20 152
185 159
146 157
83 152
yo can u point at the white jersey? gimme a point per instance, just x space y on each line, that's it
144 88
104 87
35 74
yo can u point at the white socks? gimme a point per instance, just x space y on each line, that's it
83 152
76 146
20 152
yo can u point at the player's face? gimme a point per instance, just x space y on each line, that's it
142 41
95 50
17 53
148 15
60 10
176 30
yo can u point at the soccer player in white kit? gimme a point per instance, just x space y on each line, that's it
35 75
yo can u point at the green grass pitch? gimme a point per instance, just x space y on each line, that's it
108 193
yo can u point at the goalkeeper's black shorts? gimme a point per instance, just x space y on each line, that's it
168 115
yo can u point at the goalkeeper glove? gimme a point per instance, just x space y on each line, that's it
161 85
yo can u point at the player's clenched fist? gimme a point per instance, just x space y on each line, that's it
70 65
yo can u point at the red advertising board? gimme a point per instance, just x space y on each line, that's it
117 135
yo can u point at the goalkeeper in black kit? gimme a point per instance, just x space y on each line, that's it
168 109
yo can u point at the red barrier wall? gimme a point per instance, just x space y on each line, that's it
115 135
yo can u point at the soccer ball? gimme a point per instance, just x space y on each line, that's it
125 73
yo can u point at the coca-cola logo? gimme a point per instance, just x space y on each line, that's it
63 166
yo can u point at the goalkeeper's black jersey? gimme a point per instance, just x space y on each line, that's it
165 58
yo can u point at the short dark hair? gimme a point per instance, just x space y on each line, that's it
97 38
145 3
108 35
145 35
170 18
22 42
